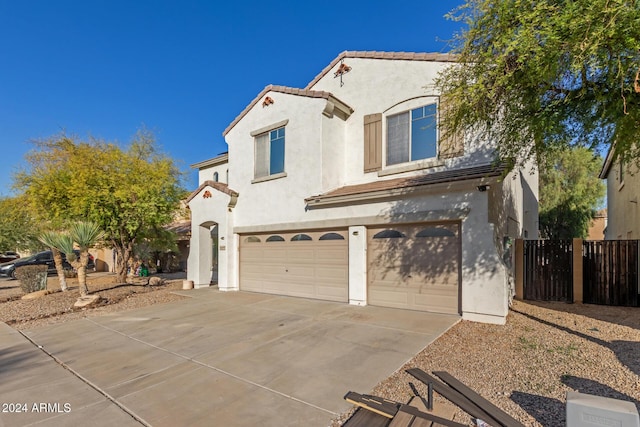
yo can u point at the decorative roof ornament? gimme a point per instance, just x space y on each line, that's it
267 101
342 70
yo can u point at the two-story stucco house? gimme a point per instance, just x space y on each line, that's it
623 193
347 190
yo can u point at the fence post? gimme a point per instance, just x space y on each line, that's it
578 279
519 264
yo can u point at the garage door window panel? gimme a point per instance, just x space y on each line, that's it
275 238
435 232
301 237
388 234
331 236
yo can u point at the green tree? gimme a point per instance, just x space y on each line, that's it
18 228
570 193
536 75
126 191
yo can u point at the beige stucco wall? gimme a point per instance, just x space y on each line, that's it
207 173
623 212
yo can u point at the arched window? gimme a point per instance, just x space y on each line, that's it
275 238
388 234
331 236
215 176
435 232
252 239
299 237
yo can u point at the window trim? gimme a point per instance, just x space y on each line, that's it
269 128
267 135
420 163
269 177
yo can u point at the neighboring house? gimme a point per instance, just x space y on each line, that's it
598 225
623 191
347 190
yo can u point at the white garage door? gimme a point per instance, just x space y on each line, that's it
310 264
414 266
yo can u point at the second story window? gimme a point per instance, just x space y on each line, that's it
269 153
412 135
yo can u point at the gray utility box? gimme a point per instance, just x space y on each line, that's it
586 410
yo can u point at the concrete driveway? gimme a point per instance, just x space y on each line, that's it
217 358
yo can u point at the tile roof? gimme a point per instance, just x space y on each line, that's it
403 56
180 227
220 186
281 89
218 160
445 176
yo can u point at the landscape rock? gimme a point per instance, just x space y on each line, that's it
87 301
137 280
156 281
36 294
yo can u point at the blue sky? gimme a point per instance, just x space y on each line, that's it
183 69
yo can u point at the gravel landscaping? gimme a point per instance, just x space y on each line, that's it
525 367
58 307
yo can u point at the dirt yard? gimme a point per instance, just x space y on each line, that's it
527 366
58 306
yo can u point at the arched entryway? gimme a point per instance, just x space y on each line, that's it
214 255
208 250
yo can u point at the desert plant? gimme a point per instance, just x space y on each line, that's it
84 235
50 238
32 278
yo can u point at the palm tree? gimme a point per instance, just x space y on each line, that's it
84 235
50 238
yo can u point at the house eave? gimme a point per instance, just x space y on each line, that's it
218 160
608 161
395 193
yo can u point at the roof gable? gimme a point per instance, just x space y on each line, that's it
289 91
404 56
223 188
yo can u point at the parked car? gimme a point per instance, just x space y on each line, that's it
8 269
8 256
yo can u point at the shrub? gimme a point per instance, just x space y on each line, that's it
32 278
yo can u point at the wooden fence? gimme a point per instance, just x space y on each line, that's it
610 271
548 275
596 272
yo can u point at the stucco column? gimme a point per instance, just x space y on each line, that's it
358 265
